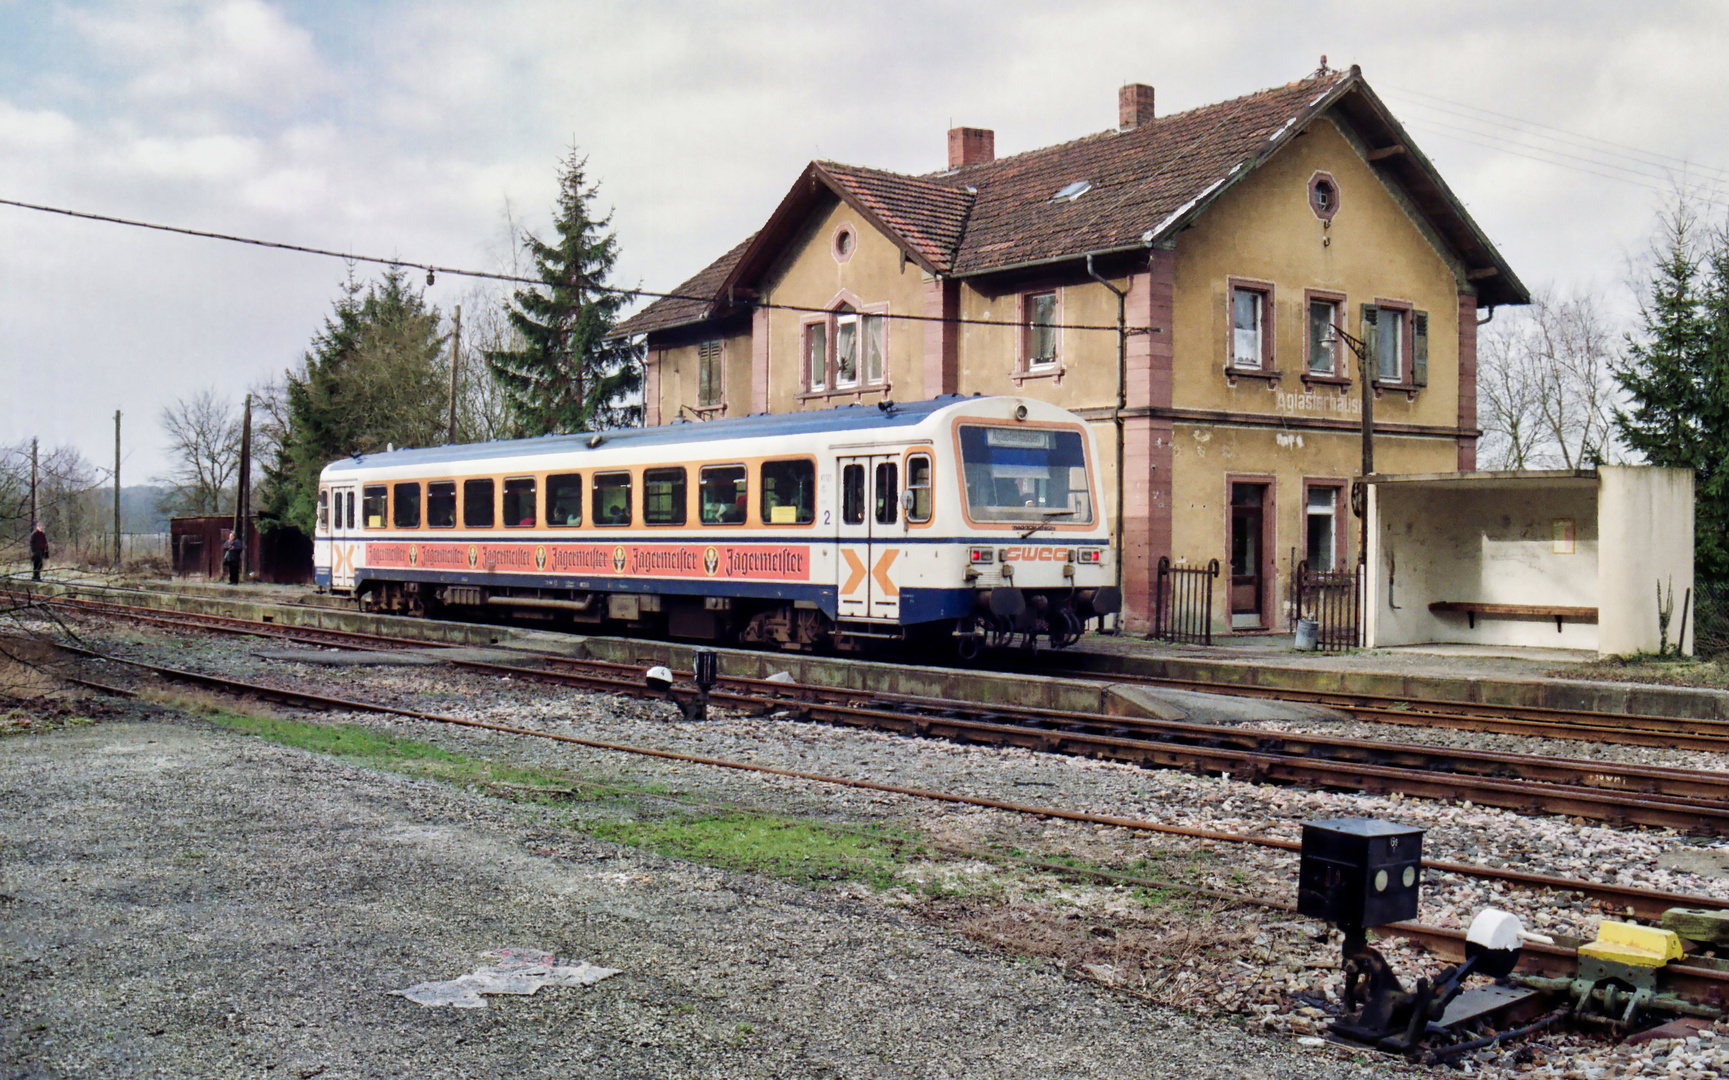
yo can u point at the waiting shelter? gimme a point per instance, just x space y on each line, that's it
1578 559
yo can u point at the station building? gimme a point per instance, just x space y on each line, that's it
1228 240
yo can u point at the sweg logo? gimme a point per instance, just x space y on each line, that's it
1035 554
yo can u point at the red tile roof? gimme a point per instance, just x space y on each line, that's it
683 306
1146 183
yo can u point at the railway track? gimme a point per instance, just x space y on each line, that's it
1702 981
1694 801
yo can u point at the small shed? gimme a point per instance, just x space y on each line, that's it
1580 559
282 555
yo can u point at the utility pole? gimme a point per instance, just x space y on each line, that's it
455 360
116 490
34 519
243 491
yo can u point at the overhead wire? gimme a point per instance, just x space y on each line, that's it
433 269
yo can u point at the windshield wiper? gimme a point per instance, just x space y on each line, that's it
1045 524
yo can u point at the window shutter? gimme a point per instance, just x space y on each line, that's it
1370 312
1419 348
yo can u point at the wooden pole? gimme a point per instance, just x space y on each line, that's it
243 495
455 362
34 519
117 489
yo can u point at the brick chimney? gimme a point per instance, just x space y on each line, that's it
1134 106
971 146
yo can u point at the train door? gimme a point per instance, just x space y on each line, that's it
869 536
344 535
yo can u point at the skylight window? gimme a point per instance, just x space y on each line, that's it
1073 191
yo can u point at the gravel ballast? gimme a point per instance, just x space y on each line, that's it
181 901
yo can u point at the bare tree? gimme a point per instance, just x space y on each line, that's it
1546 388
204 447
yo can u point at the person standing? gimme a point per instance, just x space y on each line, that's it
38 551
231 558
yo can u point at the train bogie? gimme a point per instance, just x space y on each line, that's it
973 519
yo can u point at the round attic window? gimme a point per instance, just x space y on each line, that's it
1323 196
844 242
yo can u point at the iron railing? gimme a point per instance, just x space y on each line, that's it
1333 599
1183 610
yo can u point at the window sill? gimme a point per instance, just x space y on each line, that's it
1233 373
1408 389
1054 372
1312 377
857 393
706 411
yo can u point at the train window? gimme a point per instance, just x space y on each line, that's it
1025 474
477 504
919 483
852 495
519 502
441 504
888 502
374 501
350 515
788 492
323 509
564 499
407 512
612 498
663 501
724 495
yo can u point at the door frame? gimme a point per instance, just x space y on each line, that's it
1269 547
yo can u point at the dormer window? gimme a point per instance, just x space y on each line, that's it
1073 191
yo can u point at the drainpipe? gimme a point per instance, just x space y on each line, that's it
1117 416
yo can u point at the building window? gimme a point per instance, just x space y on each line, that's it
1039 312
1251 336
816 356
1322 529
845 351
875 367
1399 359
846 348
710 366
1324 195
845 240
1323 340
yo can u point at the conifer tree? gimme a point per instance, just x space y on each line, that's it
1676 378
568 376
374 378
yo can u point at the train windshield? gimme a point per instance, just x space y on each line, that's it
1026 474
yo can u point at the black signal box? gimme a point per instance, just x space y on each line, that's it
1359 872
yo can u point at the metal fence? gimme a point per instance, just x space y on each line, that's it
1183 611
1710 636
1333 599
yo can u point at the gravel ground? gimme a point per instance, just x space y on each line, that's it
1244 965
183 902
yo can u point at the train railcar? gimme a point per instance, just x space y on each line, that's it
976 519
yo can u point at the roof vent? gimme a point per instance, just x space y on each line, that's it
971 146
1134 106
1073 191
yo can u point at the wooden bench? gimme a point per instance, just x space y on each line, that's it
1473 608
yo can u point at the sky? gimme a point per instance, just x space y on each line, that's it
417 130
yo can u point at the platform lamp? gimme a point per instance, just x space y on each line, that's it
1359 491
